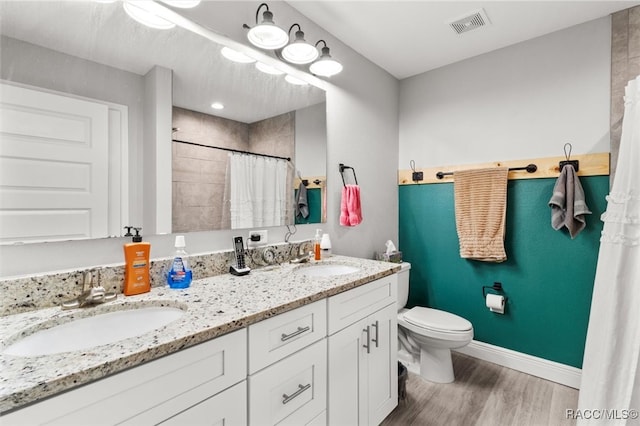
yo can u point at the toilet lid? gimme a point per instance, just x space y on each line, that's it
436 320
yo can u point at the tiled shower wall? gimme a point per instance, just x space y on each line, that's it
625 65
198 173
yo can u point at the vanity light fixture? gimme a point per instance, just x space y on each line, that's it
137 9
235 56
325 66
217 105
295 80
268 69
299 51
266 35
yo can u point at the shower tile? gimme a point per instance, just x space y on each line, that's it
634 32
633 68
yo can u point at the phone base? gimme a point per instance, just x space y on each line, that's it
239 271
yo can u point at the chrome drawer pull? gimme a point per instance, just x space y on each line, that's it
376 339
299 331
287 398
368 345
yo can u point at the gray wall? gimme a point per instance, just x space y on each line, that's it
311 140
523 101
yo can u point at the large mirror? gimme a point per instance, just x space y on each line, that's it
93 52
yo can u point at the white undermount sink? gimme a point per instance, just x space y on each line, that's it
326 270
97 330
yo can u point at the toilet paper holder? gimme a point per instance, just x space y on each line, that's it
497 287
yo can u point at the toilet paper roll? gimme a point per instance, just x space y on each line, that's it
495 303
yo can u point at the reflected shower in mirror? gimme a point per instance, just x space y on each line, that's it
95 53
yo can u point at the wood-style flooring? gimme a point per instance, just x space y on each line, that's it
484 394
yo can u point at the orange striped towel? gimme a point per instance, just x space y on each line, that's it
481 206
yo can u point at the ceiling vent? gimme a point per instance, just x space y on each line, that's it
470 22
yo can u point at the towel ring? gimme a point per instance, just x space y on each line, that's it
342 168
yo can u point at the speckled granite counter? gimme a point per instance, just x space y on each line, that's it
214 306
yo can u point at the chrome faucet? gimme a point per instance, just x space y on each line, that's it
303 256
92 294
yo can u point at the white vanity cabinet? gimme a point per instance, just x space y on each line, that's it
174 385
330 362
363 385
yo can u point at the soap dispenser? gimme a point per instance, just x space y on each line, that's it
325 246
136 268
316 245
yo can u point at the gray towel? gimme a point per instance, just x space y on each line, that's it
302 206
568 205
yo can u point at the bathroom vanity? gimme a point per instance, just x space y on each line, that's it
278 346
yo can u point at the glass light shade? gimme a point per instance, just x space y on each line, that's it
326 66
295 80
300 52
235 56
268 69
217 105
183 4
268 35
137 10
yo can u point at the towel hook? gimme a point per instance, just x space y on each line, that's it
567 155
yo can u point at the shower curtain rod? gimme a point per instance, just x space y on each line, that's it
232 150
530 168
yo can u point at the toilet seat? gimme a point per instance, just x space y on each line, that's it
436 320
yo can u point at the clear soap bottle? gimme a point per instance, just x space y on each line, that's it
180 274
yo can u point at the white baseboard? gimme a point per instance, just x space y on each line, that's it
549 370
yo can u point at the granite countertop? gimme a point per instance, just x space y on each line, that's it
213 306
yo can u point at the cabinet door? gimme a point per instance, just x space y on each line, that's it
382 364
347 378
228 408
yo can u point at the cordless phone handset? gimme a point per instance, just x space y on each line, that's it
240 268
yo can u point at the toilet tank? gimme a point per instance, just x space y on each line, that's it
403 284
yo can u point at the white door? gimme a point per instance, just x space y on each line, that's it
53 166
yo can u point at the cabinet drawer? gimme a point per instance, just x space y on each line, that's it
346 308
150 392
226 408
291 392
275 338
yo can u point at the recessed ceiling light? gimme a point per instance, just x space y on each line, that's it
138 10
268 69
217 105
183 4
295 80
235 56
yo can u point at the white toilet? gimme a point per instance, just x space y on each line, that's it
426 336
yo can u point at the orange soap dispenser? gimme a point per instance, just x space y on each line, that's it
136 267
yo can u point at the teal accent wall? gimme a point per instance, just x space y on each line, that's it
314 201
548 277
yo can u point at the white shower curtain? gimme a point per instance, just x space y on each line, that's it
611 372
259 191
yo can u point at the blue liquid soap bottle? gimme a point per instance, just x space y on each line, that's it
179 275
